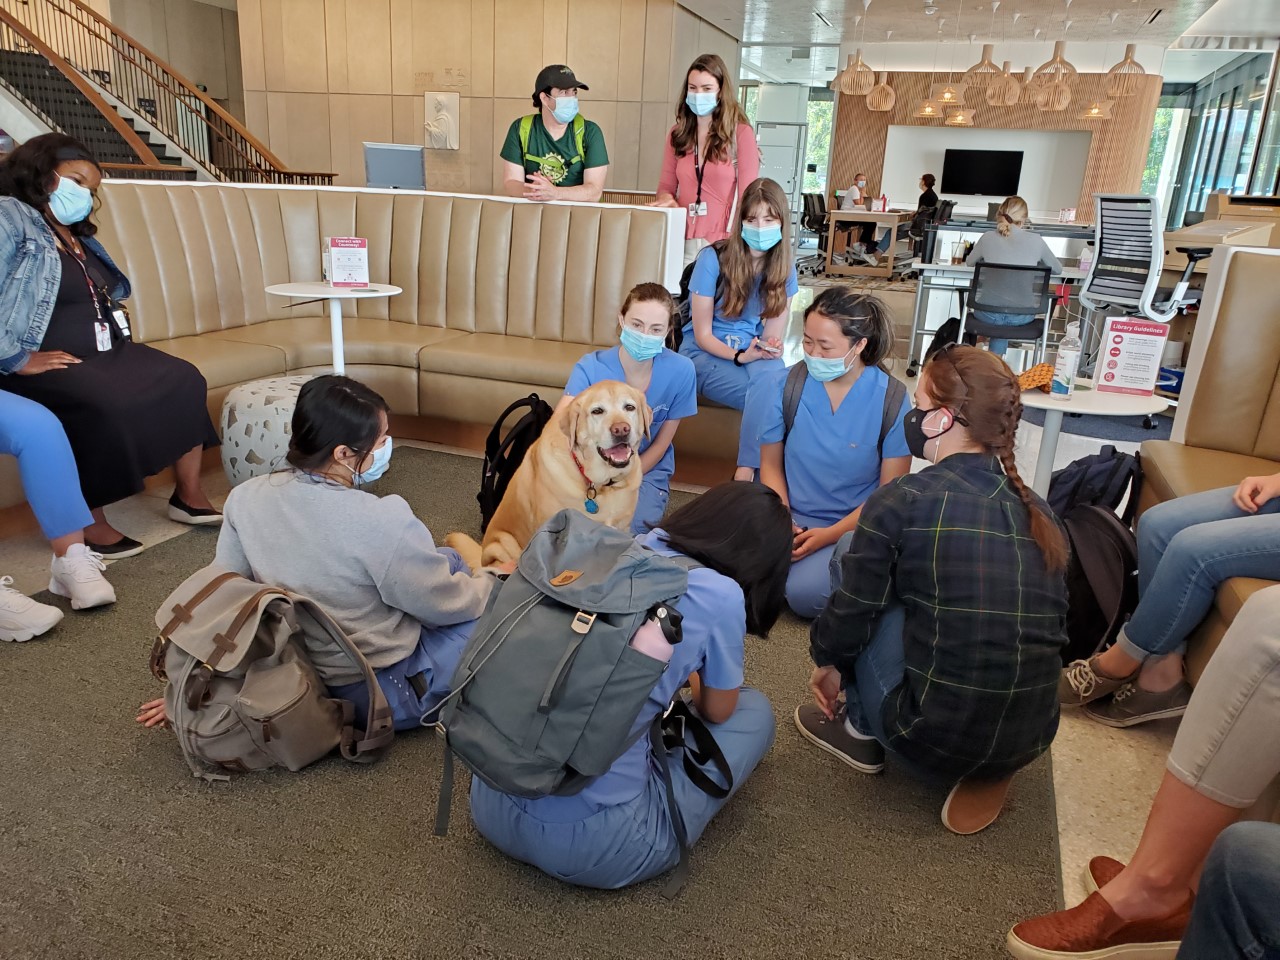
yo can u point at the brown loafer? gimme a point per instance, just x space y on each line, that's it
973 805
1093 930
1100 872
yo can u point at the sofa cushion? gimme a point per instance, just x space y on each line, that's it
1176 470
223 362
306 343
544 363
1234 592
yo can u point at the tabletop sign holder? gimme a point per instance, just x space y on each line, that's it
1129 361
346 261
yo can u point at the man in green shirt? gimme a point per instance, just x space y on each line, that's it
555 154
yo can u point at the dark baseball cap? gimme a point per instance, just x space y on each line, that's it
559 77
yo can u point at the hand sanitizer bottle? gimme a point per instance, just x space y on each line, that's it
1064 368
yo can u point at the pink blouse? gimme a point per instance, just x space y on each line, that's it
681 181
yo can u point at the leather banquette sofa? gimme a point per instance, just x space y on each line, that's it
501 297
1228 422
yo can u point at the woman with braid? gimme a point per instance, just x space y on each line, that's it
949 607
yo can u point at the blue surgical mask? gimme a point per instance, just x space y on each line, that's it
823 369
381 460
70 202
641 346
566 108
761 238
701 103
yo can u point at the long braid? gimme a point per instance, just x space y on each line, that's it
1047 534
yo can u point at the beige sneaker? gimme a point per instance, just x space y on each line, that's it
21 618
78 577
974 805
1081 683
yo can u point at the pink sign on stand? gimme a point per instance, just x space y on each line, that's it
347 263
1129 361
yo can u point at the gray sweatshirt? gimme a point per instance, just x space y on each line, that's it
366 560
1020 248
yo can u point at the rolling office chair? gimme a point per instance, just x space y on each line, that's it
1125 274
814 219
1006 288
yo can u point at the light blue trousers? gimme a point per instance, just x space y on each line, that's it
813 579
632 841
50 480
652 503
738 387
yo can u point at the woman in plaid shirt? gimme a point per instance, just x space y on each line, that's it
946 628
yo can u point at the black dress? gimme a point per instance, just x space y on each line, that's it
129 411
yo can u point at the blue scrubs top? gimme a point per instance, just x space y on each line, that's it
830 458
672 393
750 323
715 623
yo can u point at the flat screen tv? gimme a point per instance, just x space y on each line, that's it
990 173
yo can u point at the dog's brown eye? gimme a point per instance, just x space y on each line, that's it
630 407
597 411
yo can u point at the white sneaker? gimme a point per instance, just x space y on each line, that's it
21 618
78 576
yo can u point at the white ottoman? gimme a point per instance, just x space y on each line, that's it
256 420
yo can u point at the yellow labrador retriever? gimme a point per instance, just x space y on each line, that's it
586 459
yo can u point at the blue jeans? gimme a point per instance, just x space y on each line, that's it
50 480
633 841
1186 548
1235 911
728 385
996 345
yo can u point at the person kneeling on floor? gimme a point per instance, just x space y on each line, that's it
619 829
406 604
946 627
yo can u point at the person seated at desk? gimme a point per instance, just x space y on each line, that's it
858 196
926 206
1013 244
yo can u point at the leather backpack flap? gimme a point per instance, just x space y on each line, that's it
213 616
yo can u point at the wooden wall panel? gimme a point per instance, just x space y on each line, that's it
1117 154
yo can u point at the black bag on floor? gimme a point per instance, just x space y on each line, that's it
949 332
503 455
1102 579
684 302
1101 480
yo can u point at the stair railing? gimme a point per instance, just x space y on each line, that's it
15 35
147 85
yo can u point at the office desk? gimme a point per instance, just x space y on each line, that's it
953 277
889 219
1067 231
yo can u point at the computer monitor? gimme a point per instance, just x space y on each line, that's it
400 166
993 209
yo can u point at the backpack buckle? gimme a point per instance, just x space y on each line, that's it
582 622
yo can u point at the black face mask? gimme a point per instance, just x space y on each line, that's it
913 428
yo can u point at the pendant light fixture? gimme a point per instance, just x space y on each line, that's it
858 78
1056 68
1029 88
928 108
1098 110
1055 97
1124 78
949 94
881 98
985 70
960 117
1004 90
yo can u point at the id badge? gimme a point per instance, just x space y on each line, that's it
698 209
121 316
102 333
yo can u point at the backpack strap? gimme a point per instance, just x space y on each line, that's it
894 396
579 139
526 127
733 199
791 394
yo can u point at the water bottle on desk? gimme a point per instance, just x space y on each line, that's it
1068 361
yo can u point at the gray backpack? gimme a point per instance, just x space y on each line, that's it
547 692
242 693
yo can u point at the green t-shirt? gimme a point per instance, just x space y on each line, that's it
557 164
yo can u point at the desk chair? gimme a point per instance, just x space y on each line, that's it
814 219
1006 288
1125 274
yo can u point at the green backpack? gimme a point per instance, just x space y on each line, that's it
579 138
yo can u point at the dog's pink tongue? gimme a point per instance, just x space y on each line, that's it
621 452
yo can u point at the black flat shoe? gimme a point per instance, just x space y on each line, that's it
194 516
124 547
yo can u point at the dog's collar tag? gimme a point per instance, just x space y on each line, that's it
590 504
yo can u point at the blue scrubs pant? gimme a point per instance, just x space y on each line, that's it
50 480
811 580
720 381
633 841
652 503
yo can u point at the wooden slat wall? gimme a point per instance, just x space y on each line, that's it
1117 153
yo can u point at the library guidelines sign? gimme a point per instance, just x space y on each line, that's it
1129 361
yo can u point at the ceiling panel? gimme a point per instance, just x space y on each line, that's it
831 21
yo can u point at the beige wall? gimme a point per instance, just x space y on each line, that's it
322 76
201 41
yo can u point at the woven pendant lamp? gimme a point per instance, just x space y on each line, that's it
1057 67
949 94
984 71
1029 86
960 117
858 78
881 98
1123 79
1004 90
928 110
1097 110
1055 97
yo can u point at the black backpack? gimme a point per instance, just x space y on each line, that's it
503 455
1102 580
949 332
894 397
684 302
1101 480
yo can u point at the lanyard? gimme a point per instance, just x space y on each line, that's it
699 168
84 269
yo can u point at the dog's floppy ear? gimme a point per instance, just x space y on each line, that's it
569 421
646 417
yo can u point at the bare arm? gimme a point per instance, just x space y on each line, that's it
703 312
513 184
775 327
658 448
589 191
772 472
715 706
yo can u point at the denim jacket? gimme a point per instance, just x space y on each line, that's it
30 274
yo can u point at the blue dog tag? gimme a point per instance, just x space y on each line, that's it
592 506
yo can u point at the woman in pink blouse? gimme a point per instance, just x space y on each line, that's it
710 158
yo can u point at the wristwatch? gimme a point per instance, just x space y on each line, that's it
737 358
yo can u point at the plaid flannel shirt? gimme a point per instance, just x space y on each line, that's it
985 619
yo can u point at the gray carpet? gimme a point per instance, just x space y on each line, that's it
111 850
